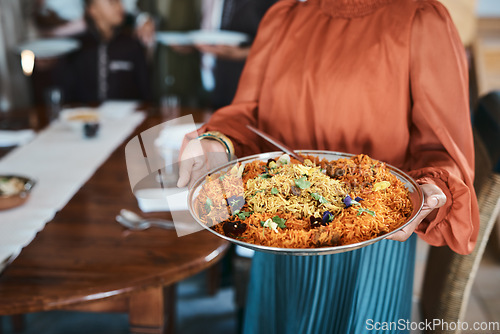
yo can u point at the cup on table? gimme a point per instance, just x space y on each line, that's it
53 102
170 107
90 129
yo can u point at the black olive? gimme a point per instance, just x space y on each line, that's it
234 228
315 222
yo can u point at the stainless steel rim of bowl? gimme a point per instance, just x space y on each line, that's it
414 189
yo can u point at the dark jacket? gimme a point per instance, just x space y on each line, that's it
116 70
243 16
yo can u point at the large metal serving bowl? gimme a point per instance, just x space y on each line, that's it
416 197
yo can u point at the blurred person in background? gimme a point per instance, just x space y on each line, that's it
111 62
177 73
220 65
60 18
66 19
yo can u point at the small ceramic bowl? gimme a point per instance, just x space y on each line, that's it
77 117
20 188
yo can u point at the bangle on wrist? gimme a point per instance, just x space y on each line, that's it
221 138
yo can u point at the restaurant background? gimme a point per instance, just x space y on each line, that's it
179 75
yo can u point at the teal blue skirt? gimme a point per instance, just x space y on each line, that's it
362 291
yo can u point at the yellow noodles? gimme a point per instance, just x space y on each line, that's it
260 198
316 204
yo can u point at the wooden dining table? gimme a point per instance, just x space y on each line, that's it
84 260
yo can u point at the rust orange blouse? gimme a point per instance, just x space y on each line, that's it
387 78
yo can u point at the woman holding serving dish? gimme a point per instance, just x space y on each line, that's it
387 78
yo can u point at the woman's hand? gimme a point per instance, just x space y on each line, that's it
145 30
197 158
225 51
433 198
182 49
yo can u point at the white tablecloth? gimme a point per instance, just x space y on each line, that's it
61 160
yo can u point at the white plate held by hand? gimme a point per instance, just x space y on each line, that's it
218 37
173 38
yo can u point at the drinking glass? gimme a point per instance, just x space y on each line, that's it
53 102
170 107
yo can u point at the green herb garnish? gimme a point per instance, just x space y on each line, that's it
243 215
302 183
274 191
283 161
256 192
273 223
319 198
363 210
265 176
280 221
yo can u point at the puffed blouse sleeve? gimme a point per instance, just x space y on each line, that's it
231 120
441 149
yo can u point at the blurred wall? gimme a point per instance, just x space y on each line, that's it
463 13
15 26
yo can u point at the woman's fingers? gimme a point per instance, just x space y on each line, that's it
182 49
197 158
433 198
145 31
191 156
433 195
185 171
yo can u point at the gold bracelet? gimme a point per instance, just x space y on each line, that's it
221 138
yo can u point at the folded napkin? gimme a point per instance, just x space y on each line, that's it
10 138
174 200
